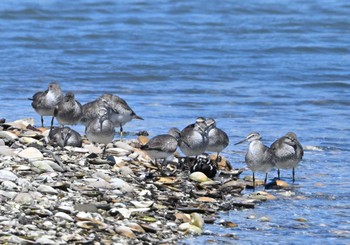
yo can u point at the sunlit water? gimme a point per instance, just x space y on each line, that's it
270 67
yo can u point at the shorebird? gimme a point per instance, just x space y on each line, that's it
258 157
194 139
65 137
90 111
204 164
101 129
68 111
287 153
44 102
218 139
121 111
162 146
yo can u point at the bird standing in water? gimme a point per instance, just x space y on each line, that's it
44 102
258 157
287 153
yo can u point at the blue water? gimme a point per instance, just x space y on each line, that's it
267 66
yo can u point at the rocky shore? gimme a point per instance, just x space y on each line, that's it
54 195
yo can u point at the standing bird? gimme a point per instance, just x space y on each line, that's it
121 111
258 157
287 152
65 137
101 129
90 111
162 146
194 139
68 111
218 139
44 102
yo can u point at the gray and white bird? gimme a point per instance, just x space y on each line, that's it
258 157
44 102
121 111
218 139
68 111
65 137
194 139
90 111
287 153
162 146
101 129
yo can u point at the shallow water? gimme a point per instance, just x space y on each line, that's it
270 67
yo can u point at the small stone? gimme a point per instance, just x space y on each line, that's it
7 151
64 216
144 204
197 220
7 175
206 199
198 177
123 145
125 231
8 135
45 240
42 166
23 198
125 171
100 184
47 189
31 154
9 185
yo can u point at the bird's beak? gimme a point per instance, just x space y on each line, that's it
241 142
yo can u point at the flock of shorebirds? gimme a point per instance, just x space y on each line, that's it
101 116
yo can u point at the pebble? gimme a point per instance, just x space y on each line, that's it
47 189
64 216
199 177
7 175
8 135
7 151
31 154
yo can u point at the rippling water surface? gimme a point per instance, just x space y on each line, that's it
272 66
